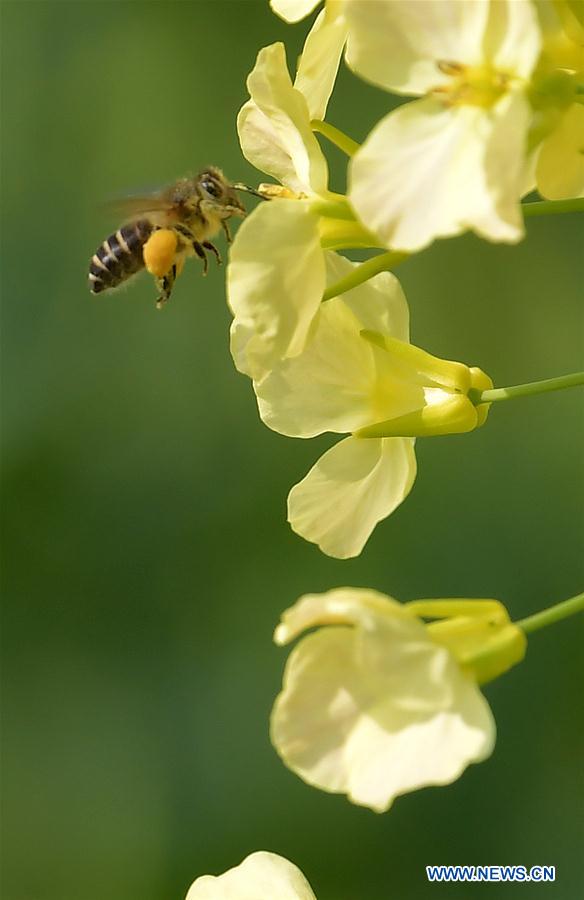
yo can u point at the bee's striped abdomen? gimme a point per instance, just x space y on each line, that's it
119 257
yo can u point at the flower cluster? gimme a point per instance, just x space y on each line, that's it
499 112
383 703
359 375
382 698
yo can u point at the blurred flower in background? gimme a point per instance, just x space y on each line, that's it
375 703
260 876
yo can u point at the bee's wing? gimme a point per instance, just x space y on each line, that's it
133 207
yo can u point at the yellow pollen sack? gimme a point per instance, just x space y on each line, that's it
159 252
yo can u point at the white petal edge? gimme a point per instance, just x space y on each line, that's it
275 281
293 10
427 171
339 728
513 37
396 44
263 148
319 62
271 89
434 750
563 33
393 643
339 606
329 386
351 488
380 303
260 875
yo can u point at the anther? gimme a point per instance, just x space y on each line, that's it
450 68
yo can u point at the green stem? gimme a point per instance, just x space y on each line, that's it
335 136
383 262
525 390
552 614
551 207
337 207
335 233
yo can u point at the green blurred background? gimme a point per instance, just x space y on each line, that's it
146 554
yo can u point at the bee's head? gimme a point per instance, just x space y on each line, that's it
218 194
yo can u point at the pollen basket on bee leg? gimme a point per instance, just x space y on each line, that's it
159 252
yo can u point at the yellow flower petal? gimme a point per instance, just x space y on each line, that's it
351 488
329 386
374 708
293 10
341 606
379 304
560 165
340 382
448 414
260 876
562 24
400 45
287 135
512 40
275 282
263 148
396 43
319 62
428 171
420 366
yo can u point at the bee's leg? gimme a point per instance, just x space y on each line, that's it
209 246
198 248
165 286
225 228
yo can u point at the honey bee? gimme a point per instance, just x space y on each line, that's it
163 230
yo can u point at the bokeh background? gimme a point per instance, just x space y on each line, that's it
146 554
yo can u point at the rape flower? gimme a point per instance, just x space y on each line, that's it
375 703
276 274
274 127
463 155
260 876
319 62
359 375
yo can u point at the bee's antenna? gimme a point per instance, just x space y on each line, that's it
248 190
